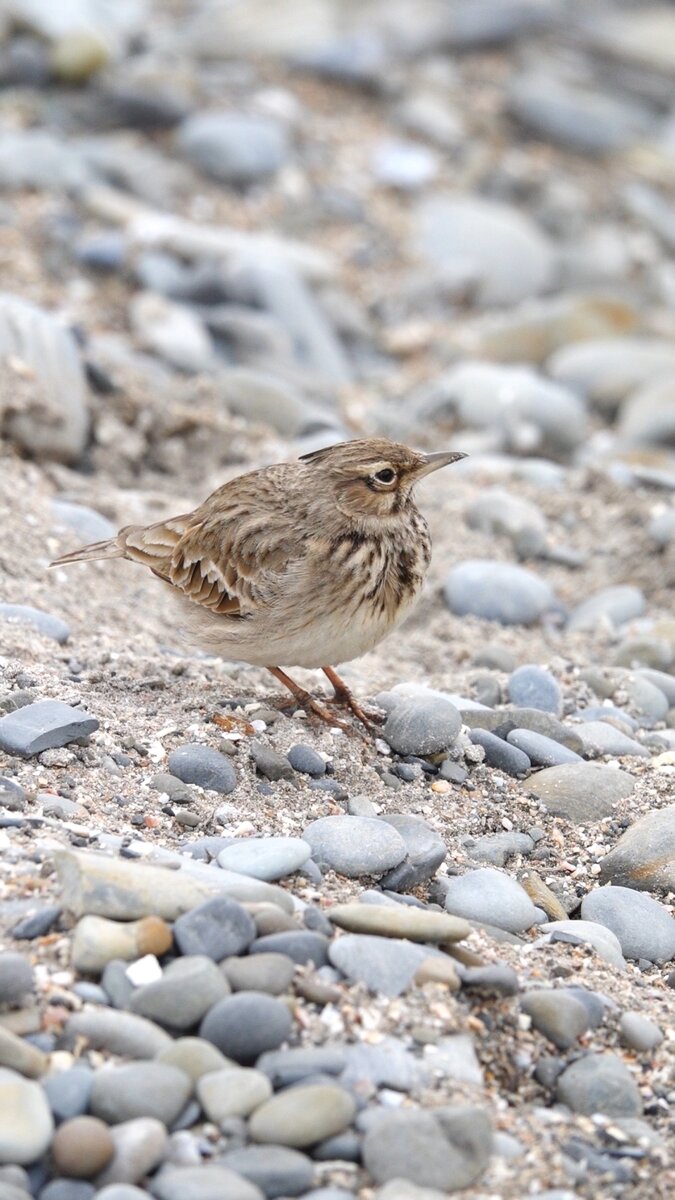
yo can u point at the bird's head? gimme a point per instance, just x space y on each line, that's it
374 477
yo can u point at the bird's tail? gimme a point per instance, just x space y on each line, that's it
110 548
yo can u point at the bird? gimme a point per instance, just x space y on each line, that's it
300 564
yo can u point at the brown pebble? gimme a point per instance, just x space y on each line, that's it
541 895
153 936
82 1147
317 992
270 919
438 970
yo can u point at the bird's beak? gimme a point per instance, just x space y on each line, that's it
441 458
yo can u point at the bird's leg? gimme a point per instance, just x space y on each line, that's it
304 698
343 695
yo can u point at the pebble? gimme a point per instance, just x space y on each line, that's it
497 511
496 848
306 760
301 946
188 988
194 1056
97 941
447 1148
600 738
121 1033
172 331
234 148
397 921
208 768
268 858
303 1115
561 1017
611 607
243 1026
217 928
578 118
542 751
276 1170
82 1147
497 591
270 763
644 856
384 964
404 165
581 792
16 979
354 846
232 1092
89 525
20 1055
606 370
27 1124
599 1083
644 927
139 1146
43 726
605 943
288 1067
149 1089
639 1033
533 687
489 896
68 1091
422 725
261 972
500 753
67 1189
425 848
209 1181
45 623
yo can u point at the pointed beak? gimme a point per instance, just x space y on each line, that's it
441 458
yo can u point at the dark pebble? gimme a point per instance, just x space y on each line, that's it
306 760
37 924
501 754
302 947
217 928
247 1024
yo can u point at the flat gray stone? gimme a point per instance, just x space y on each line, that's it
599 1083
204 766
217 928
534 687
189 987
644 856
638 1032
232 1092
247 1024
605 943
121 1033
45 623
422 725
354 846
235 148
542 751
268 858
557 1014
581 791
384 964
303 1115
425 851
208 1181
149 1089
613 606
16 979
489 896
447 1148
43 726
600 738
140 1145
497 591
644 927
276 1170
500 753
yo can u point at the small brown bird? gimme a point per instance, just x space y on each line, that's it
299 564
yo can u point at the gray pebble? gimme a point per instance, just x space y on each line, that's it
306 760
644 856
217 928
301 946
303 1115
638 1032
496 848
613 606
208 768
425 849
276 1170
561 1017
68 1091
497 591
581 791
447 1148
500 753
262 972
495 978
67 1189
121 1033
599 1083
45 623
189 987
604 942
452 771
233 147
43 726
354 846
386 965
534 687
644 927
208 1181
287 1067
270 763
487 895
422 725
149 1089
542 751
16 980
90 525
267 858
27 1124
600 738
243 1026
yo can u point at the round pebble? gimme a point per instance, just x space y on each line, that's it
555 1013
644 856
644 927
216 929
27 1125
140 1145
232 1092
276 1170
82 1147
500 753
533 687
243 1026
208 768
306 760
264 971
149 1089
581 791
447 1148
422 725
303 1115
638 1032
599 1083
188 988
542 751
267 858
354 846
491 897
497 591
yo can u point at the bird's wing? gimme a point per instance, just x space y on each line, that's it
229 556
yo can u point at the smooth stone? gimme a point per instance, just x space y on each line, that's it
265 858
501 754
354 846
644 856
172 331
505 719
270 763
232 1092
234 148
243 1026
81 1148
301 946
581 791
306 760
217 928
497 511
203 766
276 1170
582 119
496 848
386 1064
21 1056
422 725
405 1189
606 370
487 895
209 1181
416 924
646 416
27 1125
118 1032
16 979
599 1083
497 591
661 680
303 1115
661 528
139 1146
644 927
97 941
542 751
384 964
455 1057
604 942
447 1148
599 738
288 1067
559 1016
67 1189
45 623
149 1089
262 397
194 1056
263 972
612 606
116 984
533 687
607 712
121 1191
90 525
512 258
68 1091
425 848
45 725
189 987
639 1033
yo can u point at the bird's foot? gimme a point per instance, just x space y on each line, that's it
370 717
308 702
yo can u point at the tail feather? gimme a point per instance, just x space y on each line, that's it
110 548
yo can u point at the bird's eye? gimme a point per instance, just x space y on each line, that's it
386 475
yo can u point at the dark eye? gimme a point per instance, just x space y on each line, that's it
386 475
